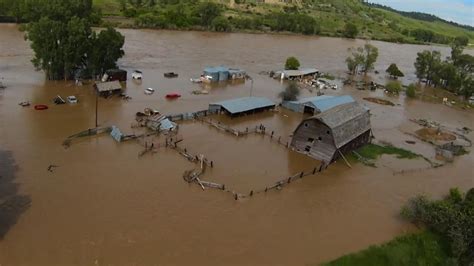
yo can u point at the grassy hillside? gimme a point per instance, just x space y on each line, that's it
330 17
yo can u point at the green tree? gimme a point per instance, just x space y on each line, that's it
292 63
207 12
106 50
350 30
221 23
371 55
451 217
355 60
426 65
290 93
394 72
63 41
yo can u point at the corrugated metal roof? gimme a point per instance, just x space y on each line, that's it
108 86
327 103
245 104
324 102
299 72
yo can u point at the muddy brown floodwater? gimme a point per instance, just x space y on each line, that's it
103 205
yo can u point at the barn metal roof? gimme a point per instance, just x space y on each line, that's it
240 105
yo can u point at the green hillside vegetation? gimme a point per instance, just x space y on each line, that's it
321 17
448 238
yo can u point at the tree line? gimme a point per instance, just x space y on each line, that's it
455 73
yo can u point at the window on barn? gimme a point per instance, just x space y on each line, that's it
319 138
310 140
308 148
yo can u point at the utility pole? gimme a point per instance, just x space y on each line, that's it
96 109
251 86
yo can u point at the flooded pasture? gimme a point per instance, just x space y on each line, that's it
103 205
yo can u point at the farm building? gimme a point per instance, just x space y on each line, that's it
242 106
317 104
115 74
296 74
334 132
107 88
222 73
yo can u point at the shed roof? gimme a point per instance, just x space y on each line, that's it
347 121
327 103
300 72
240 105
216 69
108 86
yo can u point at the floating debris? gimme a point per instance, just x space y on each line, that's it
24 104
379 101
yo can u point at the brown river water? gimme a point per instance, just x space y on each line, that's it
105 206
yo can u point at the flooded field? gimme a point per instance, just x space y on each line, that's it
103 205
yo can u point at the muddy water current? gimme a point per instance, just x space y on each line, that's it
103 205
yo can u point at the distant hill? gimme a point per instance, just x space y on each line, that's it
321 17
420 16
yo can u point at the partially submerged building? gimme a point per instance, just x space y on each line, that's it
115 74
242 106
222 73
317 104
330 134
107 88
296 74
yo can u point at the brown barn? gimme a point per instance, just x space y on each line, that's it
334 132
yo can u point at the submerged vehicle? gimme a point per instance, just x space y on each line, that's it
173 95
72 99
171 75
149 91
137 74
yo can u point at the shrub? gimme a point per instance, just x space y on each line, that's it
411 91
292 63
393 87
290 93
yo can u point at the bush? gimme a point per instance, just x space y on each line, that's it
290 93
292 63
411 91
393 87
452 218
350 30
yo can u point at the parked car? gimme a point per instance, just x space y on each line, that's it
137 74
149 91
72 99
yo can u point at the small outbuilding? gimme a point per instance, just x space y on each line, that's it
317 104
296 74
330 134
107 88
115 74
242 106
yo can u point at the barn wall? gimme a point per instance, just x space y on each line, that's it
321 147
354 144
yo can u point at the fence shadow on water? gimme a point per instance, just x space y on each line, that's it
12 204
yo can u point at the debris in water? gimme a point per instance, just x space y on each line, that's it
379 101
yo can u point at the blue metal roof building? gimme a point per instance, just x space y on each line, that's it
239 106
318 104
